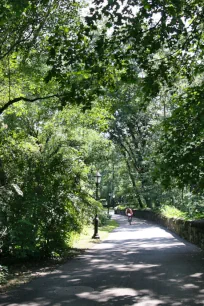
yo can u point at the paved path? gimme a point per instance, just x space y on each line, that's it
140 264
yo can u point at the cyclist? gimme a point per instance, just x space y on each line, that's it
129 213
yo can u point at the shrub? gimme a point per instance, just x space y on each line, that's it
3 274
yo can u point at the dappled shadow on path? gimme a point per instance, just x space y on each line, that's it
141 264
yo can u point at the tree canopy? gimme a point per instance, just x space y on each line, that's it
117 88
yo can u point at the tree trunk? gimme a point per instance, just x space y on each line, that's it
134 185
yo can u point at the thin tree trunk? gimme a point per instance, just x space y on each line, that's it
134 184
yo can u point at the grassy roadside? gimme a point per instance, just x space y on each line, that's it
85 240
22 273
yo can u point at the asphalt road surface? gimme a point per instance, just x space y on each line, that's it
140 264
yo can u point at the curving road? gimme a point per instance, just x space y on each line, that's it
140 264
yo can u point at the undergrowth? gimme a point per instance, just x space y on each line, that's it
173 212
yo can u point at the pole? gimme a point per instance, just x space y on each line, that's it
96 191
96 235
109 203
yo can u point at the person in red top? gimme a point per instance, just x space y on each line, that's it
129 213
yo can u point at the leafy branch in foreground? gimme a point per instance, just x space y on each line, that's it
13 101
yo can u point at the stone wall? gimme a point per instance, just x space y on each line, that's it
192 231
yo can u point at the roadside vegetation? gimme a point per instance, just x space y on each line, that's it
84 241
171 211
20 272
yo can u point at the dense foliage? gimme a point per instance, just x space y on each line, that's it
116 87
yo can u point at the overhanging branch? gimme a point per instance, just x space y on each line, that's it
13 101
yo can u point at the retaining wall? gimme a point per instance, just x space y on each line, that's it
193 231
